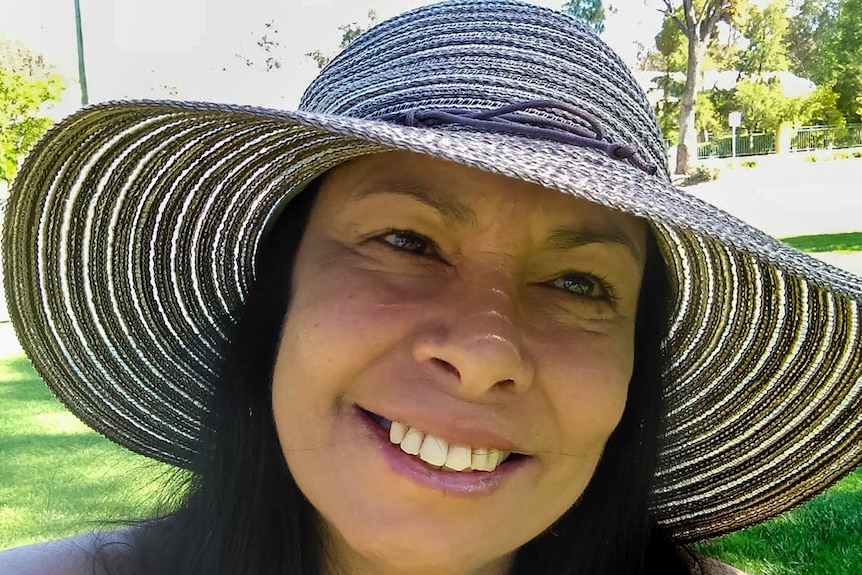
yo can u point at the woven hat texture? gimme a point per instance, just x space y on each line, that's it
132 228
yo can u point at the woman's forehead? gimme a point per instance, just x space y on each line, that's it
463 194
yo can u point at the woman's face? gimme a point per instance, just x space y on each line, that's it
484 314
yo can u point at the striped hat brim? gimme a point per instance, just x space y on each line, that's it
132 228
125 272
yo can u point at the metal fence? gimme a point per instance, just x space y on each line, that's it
746 145
827 137
802 139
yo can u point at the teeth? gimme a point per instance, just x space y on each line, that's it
493 459
459 458
397 431
480 459
434 451
496 457
438 453
412 441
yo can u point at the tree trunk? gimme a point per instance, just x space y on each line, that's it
686 152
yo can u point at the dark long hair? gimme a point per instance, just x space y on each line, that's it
243 513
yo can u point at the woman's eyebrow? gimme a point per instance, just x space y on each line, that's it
565 238
449 208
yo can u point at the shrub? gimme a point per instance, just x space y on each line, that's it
699 175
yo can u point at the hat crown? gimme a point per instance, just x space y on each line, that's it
483 54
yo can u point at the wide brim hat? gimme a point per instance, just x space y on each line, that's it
131 233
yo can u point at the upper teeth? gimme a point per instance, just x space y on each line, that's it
437 452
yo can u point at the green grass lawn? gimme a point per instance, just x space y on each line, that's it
58 477
848 242
822 537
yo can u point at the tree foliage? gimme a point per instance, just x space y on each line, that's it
766 31
764 105
707 119
270 49
591 11
838 62
820 108
669 58
269 57
806 33
349 33
671 53
671 50
820 39
27 82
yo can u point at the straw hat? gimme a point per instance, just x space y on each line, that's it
131 233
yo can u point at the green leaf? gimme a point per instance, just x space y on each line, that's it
27 84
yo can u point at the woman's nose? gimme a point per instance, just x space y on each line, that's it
474 332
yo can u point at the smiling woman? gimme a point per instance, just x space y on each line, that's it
449 317
461 331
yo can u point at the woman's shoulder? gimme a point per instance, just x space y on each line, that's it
87 554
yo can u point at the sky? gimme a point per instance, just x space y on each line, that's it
189 49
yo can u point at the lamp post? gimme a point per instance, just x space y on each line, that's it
735 120
82 73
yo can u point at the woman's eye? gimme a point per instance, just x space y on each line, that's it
581 285
408 242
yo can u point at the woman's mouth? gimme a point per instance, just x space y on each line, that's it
438 453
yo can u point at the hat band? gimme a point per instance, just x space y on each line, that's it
508 119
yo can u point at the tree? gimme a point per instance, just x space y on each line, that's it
27 82
806 33
672 52
707 119
766 31
820 108
591 11
349 33
839 60
670 59
697 20
764 105
671 46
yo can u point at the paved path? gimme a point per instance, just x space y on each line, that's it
9 345
793 198
852 262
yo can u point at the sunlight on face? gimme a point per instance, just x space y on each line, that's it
484 312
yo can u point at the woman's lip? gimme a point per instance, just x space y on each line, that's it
454 482
457 432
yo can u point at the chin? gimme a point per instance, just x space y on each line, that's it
418 549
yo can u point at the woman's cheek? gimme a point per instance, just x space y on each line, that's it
586 381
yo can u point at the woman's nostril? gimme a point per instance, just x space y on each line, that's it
448 367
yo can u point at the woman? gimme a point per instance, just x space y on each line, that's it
450 317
